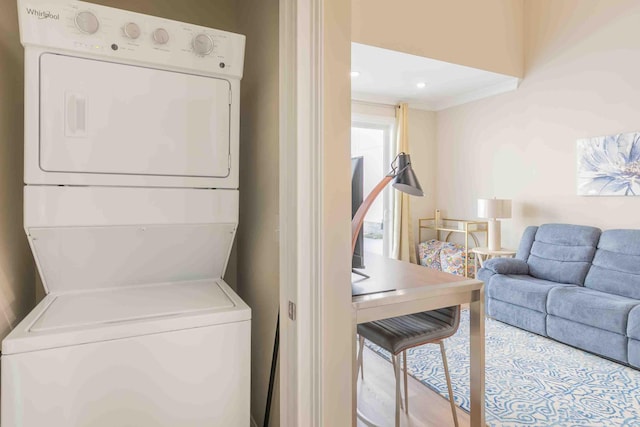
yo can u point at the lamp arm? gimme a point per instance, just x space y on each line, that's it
358 218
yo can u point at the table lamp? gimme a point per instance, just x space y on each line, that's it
494 209
404 179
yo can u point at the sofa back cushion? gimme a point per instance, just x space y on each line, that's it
616 265
563 253
524 249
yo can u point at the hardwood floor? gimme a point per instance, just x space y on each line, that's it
376 398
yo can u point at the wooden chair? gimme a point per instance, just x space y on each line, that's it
398 334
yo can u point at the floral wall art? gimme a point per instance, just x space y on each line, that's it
609 165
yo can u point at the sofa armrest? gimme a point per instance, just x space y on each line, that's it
506 266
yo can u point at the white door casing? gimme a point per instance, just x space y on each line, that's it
315 261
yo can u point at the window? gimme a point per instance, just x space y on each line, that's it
372 141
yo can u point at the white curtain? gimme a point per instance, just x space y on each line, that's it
403 246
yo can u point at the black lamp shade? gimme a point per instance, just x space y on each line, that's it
406 179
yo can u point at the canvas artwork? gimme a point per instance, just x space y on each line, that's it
609 165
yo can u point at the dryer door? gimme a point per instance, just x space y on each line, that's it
99 117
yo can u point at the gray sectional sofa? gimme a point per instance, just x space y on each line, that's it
575 284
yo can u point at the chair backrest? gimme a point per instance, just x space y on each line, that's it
616 265
563 253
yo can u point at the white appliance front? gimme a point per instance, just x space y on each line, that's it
130 209
98 117
116 98
191 376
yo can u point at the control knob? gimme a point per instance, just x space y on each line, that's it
202 44
87 22
131 30
160 36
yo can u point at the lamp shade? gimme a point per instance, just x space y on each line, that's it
494 208
406 179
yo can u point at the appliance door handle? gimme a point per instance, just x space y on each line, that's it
75 115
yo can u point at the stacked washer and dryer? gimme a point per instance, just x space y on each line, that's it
130 208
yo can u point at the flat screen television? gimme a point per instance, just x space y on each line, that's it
357 196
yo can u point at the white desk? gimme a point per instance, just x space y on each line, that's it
411 289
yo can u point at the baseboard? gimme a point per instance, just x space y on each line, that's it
253 422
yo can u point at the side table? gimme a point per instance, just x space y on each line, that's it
483 254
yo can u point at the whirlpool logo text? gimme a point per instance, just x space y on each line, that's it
43 14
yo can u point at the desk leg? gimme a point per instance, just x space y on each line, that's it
477 340
354 370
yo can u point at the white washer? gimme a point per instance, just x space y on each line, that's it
131 208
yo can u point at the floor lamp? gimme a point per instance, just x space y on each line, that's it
404 179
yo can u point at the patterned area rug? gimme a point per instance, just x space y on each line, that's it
531 380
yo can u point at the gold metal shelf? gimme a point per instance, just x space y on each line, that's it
468 228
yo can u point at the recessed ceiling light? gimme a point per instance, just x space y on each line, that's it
355 73
421 85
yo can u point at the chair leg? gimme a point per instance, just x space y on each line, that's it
396 370
360 364
446 374
406 384
395 361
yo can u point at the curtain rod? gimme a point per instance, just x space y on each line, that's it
377 104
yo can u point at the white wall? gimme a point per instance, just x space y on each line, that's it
582 79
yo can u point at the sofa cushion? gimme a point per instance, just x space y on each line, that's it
633 353
594 340
525 291
515 315
616 265
563 253
591 307
526 242
633 323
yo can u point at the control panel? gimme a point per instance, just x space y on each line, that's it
103 31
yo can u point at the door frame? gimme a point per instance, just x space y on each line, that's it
300 106
315 297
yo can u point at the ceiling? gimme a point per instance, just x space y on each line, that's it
389 77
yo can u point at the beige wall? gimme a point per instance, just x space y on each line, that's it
582 80
335 215
423 150
258 258
17 290
483 34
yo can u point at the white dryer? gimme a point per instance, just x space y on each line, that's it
130 208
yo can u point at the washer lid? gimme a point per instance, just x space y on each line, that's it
80 309
74 318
